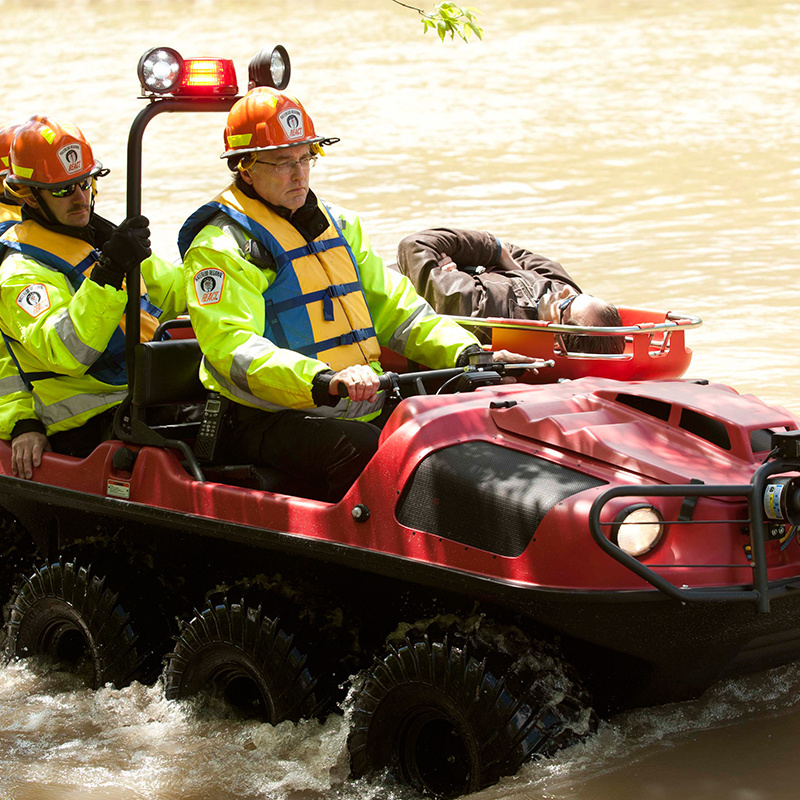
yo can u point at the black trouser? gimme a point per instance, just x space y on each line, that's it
81 441
325 454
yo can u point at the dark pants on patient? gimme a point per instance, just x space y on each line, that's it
326 454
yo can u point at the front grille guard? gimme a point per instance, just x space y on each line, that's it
760 593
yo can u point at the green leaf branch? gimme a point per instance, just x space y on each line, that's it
449 18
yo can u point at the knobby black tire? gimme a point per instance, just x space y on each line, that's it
68 613
444 722
246 657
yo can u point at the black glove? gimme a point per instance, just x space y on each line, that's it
125 249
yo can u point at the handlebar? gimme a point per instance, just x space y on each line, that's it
391 381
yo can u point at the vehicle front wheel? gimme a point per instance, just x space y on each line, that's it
449 723
66 612
247 658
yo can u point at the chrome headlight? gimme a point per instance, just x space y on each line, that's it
270 68
160 70
637 529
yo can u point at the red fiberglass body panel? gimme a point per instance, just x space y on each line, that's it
587 426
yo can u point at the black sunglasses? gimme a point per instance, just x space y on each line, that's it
68 191
563 306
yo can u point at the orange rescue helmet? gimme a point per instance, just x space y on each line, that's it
51 154
267 119
6 137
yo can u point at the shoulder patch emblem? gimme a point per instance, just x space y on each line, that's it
208 285
33 299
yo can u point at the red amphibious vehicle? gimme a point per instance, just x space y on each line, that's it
514 561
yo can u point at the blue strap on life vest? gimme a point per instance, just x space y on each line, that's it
27 378
109 367
273 309
197 221
278 334
309 249
346 338
326 295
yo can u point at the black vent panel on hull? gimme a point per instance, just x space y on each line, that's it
486 496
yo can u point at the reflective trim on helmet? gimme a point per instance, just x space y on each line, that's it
22 172
324 141
19 176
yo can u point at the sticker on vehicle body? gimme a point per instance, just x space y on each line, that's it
208 285
118 489
33 299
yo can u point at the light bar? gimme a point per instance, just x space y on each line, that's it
162 70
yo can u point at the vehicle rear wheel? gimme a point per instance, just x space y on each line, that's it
449 723
72 615
246 657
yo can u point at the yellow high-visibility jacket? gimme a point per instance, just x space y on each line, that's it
66 332
266 331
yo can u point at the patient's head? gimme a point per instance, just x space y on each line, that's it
568 307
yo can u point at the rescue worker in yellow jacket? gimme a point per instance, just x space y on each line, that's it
289 301
61 287
16 400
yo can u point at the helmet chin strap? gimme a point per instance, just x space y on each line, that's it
42 208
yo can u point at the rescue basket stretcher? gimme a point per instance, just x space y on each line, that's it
655 346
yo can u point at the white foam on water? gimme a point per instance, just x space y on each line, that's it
60 740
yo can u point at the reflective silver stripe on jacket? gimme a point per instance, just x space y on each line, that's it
344 409
399 338
12 384
75 405
82 353
243 357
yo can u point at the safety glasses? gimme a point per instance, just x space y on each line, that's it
563 306
68 191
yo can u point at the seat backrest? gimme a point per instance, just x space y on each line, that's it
167 372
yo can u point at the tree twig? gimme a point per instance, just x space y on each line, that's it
413 8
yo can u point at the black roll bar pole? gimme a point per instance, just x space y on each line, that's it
134 199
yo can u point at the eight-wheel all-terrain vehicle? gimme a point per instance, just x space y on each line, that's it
515 560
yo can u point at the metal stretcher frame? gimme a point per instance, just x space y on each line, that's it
655 345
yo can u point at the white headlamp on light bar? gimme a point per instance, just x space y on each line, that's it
160 70
637 529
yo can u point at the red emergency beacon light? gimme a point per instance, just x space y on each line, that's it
163 71
208 76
